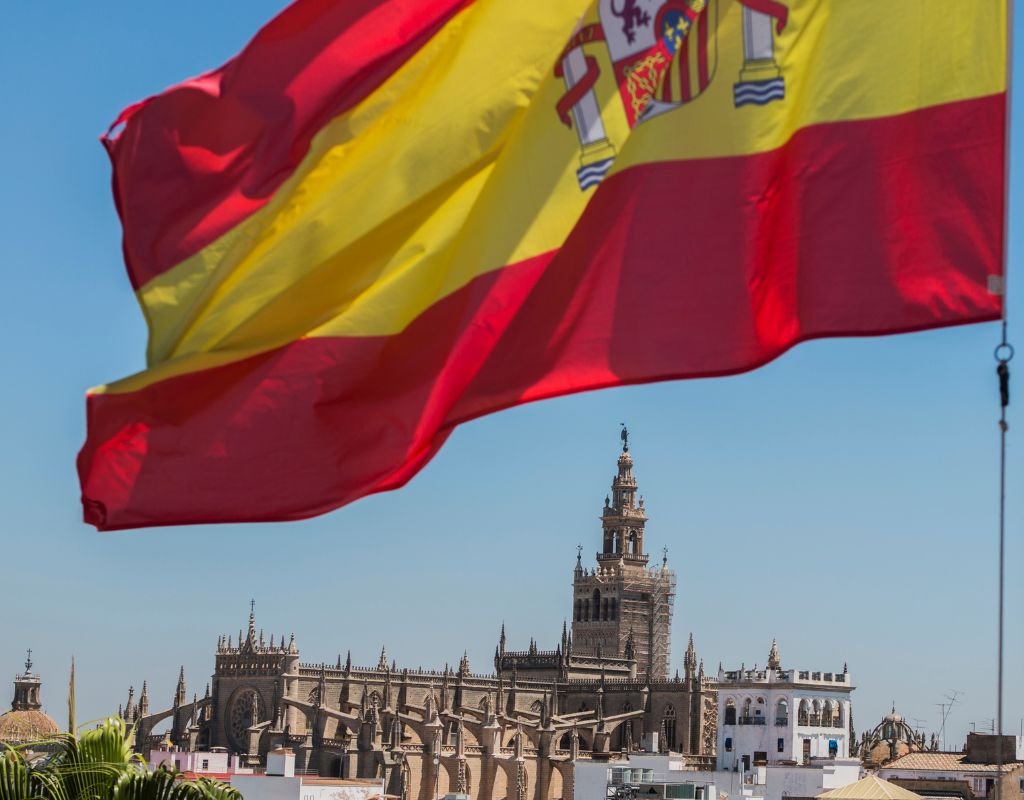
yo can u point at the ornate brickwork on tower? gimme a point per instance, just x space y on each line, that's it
622 600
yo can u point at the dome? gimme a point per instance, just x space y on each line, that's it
890 739
20 727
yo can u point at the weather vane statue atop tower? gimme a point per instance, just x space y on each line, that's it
624 435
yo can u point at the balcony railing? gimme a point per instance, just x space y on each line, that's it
751 720
781 722
815 721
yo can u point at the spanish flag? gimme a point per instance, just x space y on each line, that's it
386 217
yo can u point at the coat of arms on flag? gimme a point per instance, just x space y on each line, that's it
664 55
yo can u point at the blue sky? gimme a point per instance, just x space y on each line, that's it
841 499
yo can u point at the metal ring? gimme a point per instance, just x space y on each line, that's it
1004 353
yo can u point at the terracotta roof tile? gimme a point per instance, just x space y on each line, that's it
945 762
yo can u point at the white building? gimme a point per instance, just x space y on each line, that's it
217 762
774 716
281 783
647 775
666 776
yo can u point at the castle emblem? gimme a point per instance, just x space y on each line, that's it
664 55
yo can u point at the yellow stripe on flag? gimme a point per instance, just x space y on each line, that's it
458 164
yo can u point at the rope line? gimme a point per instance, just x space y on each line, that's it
1003 355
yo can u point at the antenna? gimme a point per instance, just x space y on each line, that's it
945 708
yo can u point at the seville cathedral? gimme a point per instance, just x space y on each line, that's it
513 733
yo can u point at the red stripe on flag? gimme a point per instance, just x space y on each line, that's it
678 269
194 161
702 50
684 70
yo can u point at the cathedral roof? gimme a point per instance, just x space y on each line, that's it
21 727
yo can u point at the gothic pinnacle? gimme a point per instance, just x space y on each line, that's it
382 663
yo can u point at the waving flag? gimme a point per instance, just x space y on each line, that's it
386 217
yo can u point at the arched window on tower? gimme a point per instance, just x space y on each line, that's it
802 714
669 722
604 610
837 720
597 604
613 609
578 613
586 611
615 541
633 549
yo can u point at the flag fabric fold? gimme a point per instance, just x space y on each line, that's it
387 217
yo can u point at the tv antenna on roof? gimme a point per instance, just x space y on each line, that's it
945 708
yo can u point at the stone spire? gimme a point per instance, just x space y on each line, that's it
129 708
382 662
293 649
690 660
144 701
250 644
502 640
464 664
180 697
774 662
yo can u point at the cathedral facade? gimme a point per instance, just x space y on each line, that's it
513 732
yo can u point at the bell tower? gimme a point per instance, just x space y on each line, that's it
623 601
623 516
26 689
